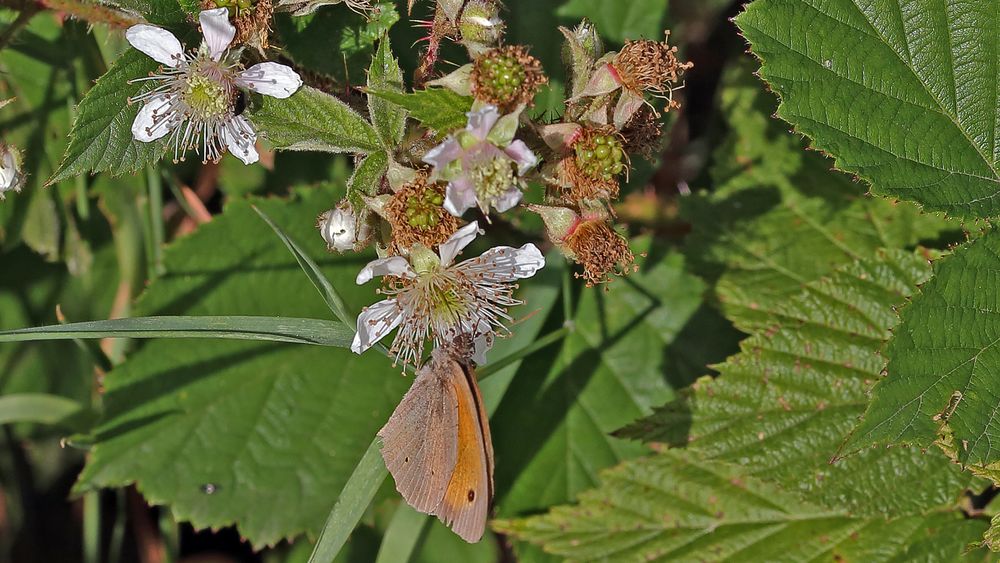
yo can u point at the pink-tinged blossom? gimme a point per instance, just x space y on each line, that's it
482 164
431 297
196 93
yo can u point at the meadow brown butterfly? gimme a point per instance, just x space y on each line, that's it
437 445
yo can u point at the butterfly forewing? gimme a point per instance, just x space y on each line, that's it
419 442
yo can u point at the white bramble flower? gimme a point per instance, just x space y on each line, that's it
11 178
482 164
197 94
432 297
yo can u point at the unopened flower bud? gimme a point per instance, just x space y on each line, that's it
559 221
581 50
480 25
11 178
338 227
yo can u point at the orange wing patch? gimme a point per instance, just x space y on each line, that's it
466 500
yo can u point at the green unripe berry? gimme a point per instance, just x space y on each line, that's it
600 156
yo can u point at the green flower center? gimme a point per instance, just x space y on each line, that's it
600 156
501 76
423 209
206 96
493 178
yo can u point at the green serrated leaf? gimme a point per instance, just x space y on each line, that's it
779 218
782 407
437 108
311 120
310 40
552 429
905 96
101 139
385 75
367 177
264 424
943 359
160 12
675 507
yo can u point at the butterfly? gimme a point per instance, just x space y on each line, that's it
437 445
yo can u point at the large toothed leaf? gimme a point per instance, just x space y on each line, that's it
801 264
101 139
782 407
220 429
633 344
779 218
944 360
311 120
904 94
437 108
675 507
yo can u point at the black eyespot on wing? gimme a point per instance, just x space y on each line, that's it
472 495
406 459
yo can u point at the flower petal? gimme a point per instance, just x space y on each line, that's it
604 81
481 122
459 197
338 228
159 44
482 342
507 200
506 264
629 103
442 155
391 266
240 138
375 322
522 155
146 128
450 248
8 171
271 79
217 30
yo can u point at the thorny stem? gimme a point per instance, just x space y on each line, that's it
85 10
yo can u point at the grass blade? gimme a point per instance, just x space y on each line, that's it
358 493
275 329
37 407
312 271
403 536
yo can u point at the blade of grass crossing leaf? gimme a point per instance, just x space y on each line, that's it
117 541
312 271
154 184
358 493
543 342
36 407
275 329
321 283
92 527
403 535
